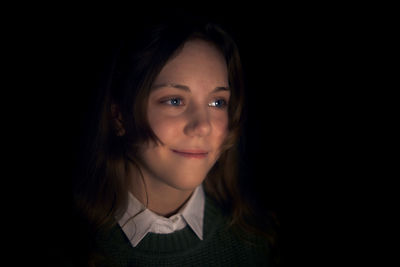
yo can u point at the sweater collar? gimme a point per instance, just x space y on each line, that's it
138 221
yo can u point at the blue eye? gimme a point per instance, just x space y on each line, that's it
218 103
174 101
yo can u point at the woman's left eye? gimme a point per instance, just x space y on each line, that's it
218 103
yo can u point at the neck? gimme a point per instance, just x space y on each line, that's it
158 196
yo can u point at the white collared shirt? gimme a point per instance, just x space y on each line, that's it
138 220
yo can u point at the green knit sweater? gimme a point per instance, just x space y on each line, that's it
221 246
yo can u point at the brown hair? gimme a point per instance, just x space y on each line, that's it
102 188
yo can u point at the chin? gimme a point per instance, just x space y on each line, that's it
186 184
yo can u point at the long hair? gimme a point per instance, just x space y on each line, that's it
101 188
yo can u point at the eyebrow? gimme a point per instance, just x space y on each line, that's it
187 88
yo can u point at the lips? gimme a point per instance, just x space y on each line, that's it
191 153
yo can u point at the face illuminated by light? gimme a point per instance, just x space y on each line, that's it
188 112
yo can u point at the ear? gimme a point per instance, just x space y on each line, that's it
117 120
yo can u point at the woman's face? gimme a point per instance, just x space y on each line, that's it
188 112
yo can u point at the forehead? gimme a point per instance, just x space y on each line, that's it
198 60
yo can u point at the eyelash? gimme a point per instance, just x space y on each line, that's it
165 101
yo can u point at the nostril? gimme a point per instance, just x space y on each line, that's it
198 128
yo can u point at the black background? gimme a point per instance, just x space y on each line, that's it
297 93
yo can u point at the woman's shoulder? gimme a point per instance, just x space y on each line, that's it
257 240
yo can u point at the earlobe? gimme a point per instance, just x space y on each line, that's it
117 120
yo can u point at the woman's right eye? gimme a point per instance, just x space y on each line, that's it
173 101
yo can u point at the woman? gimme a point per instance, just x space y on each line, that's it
160 180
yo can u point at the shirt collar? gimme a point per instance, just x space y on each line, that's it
137 220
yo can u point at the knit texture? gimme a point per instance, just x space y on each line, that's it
220 247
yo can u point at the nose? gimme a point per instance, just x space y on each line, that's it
198 122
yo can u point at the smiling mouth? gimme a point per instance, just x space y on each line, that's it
196 154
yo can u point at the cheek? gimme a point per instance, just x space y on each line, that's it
170 128
220 127
164 127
